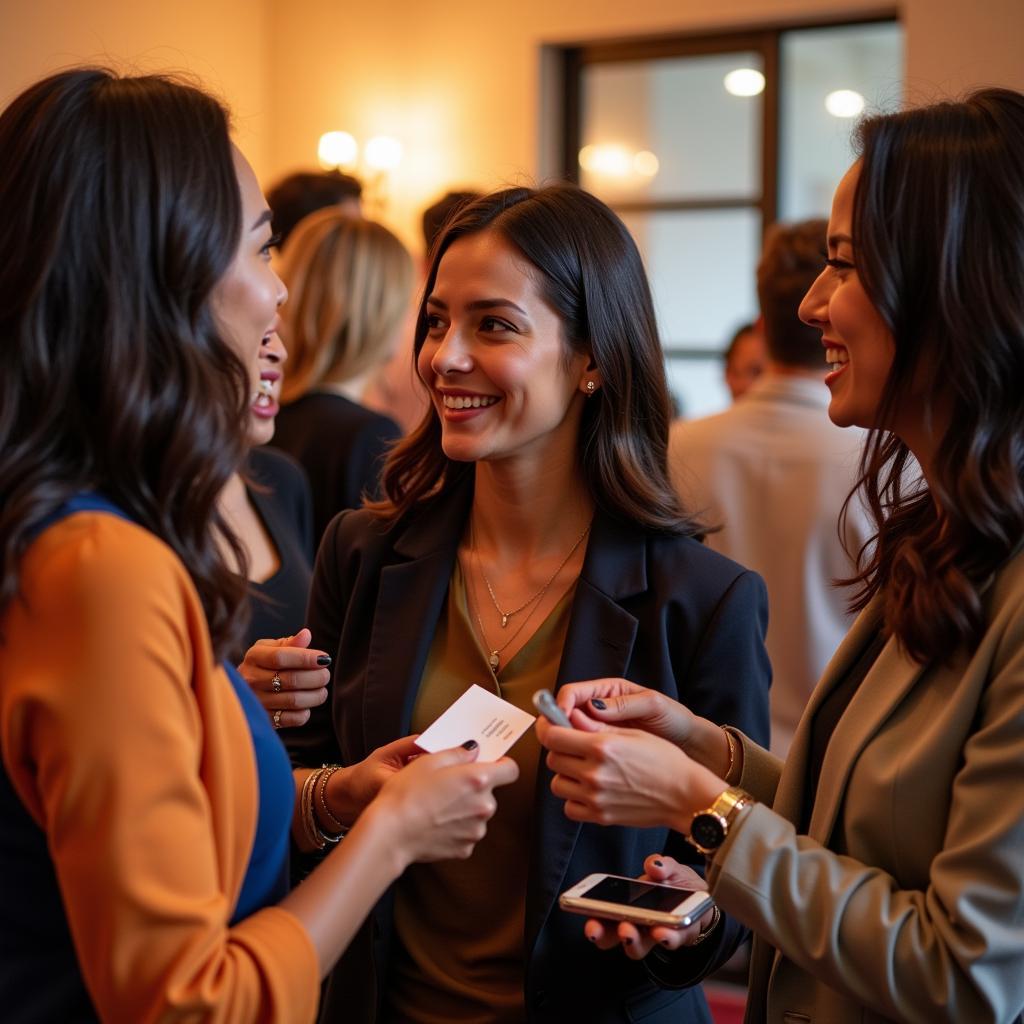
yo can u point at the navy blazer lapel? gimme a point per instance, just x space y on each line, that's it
599 643
409 602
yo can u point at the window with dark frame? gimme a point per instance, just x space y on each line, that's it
699 164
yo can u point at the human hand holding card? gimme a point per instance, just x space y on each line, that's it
477 715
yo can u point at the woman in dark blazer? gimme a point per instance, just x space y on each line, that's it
529 537
881 867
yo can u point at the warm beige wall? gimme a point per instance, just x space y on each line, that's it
460 85
458 82
224 42
954 45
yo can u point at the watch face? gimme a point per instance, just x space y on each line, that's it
707 831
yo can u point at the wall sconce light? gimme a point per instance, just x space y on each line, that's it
610 160
380 156
337 150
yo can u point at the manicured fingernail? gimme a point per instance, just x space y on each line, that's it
599 704
658 864
469 745
323 659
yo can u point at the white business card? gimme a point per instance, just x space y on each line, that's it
477 715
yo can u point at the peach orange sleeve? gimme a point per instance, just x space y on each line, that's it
129 749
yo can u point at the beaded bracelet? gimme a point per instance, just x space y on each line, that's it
326 816
314 835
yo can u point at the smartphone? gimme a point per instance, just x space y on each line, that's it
626 899
544 702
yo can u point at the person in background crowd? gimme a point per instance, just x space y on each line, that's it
394 389
775 473
528 535
146 800
298 195
745 357
350 281
881 867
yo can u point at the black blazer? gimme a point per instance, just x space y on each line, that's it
663 611
340 444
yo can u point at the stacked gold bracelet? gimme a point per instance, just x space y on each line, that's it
313 807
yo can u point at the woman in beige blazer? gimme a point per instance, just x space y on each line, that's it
881 867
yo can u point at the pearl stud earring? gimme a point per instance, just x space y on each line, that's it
591 387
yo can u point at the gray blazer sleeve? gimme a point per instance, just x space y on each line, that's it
950 946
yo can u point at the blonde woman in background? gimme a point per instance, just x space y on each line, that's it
350 283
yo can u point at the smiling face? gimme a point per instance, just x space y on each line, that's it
266 404
502 379
245 300
857 342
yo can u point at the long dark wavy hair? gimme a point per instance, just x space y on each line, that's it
938 228
592 275
119 212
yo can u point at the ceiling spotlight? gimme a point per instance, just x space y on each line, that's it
844 103
744 82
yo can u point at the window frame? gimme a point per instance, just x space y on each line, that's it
766 41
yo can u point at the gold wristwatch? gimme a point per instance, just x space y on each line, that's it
710 827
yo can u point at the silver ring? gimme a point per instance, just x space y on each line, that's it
277 719
275 683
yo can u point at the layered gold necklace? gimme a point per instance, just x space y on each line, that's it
532 603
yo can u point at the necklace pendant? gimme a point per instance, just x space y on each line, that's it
504 621
493 661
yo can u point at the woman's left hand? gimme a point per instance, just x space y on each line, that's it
287 677
638 941
626 777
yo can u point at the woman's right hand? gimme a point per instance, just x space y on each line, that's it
622 703
441 803
598 703
287 677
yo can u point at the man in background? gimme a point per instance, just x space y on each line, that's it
774 472
745 359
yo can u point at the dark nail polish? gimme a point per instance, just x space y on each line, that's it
599 704
470 745
658 864
323 659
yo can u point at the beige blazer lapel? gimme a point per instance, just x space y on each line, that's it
789 796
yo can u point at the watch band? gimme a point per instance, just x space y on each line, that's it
710 826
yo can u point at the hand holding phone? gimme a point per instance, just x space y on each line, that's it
544 702
616 898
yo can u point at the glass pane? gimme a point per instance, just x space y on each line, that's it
705 142
701 266
697 385
814 145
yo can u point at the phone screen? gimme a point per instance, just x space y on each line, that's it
637 894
